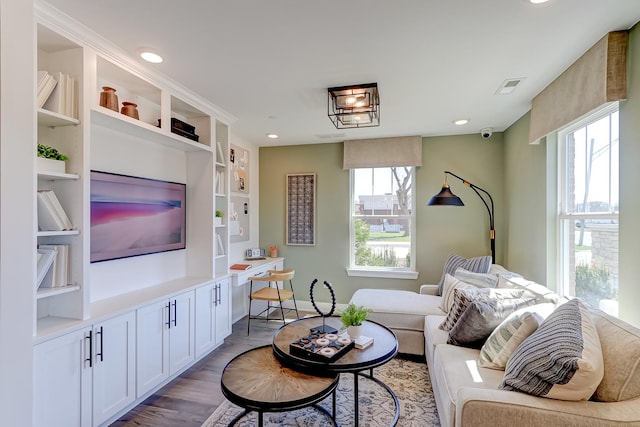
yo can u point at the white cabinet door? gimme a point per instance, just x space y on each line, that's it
181 332
205 333
222 310
62 381
113 366
152 346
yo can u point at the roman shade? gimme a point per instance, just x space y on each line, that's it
596 78
383 152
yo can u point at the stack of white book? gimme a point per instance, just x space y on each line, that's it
59 266
46 84
51 215
58 93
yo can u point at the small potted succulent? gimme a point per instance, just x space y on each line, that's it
352 318
218 218
50 159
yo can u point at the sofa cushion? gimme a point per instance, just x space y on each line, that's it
480 264
455 368
433 336
463 297
562 359
398 309
621 353
510 333
482 316
451 283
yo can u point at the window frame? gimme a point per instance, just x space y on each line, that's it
564 218
410 272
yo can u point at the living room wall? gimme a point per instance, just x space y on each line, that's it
439 230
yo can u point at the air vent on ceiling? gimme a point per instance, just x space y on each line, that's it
508 86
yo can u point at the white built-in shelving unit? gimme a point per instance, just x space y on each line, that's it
113 294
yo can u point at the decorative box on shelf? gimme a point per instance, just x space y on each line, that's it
183 129
321 347
50 165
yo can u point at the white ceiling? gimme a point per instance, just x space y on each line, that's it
270 62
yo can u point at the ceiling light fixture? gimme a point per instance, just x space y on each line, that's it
150 55
354 106
538 1
272 136
460 122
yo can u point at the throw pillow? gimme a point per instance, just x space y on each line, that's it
504 340
463 297
480 264
562 359
451 283
483 315
479 280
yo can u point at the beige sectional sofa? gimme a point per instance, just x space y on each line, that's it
469 395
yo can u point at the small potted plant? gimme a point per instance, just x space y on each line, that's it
352 318
50 159
218 217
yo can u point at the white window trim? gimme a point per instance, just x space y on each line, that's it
382 272
562 216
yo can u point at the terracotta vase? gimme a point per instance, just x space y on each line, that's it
130 109
108 98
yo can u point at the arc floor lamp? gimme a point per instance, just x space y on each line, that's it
446 198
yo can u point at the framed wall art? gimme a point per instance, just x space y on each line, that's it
301 209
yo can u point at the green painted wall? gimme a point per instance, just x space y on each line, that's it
439 230
525 189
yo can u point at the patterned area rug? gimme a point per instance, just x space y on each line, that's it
409 380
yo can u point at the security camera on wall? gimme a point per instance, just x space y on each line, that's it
486 133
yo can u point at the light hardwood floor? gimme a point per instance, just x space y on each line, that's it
188 400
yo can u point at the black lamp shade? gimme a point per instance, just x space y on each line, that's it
445 198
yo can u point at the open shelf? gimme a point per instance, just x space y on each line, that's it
49 292
52 119
108 118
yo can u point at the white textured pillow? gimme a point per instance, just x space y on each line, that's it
504 339
562 359
479 280
450 284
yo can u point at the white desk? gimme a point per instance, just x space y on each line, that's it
240 292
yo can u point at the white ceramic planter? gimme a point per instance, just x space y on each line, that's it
217 220
50 165
354 331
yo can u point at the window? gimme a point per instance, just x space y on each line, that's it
589 209
382 222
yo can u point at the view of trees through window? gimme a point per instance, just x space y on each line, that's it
382 217
590 209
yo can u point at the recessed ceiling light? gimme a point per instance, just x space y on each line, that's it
538 1
272 135
150 56
460 122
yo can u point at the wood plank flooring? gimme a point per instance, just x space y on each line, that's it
188 400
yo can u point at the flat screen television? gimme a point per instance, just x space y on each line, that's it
133 216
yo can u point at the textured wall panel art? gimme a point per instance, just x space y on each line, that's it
301 209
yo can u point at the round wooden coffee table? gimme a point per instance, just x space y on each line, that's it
257 381
355 361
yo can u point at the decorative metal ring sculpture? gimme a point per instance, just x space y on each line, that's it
333 298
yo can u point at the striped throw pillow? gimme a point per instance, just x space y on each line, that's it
480 264
562 359
504 339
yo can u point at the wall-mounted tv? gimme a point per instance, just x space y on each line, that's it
133 216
